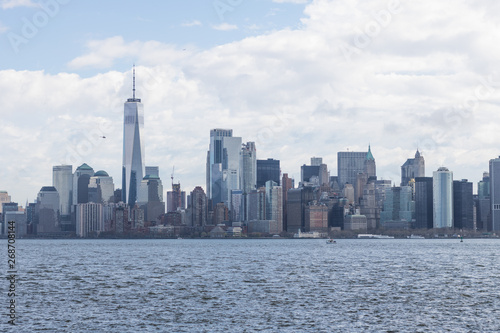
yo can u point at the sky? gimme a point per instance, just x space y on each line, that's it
301 78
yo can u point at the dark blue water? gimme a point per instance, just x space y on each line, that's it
272 285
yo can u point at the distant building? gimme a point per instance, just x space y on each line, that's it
197 206
495 195
223 161
355 222
89 219
20 220
274 203
350 164
62 180
424 216
412 168
268 170
133 148
463 205
4 198
443 198
316 217
47 212
101 188
483 202
7 207
81 181
286 184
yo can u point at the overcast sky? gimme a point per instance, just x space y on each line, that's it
300 78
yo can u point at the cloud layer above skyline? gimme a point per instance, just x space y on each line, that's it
398 75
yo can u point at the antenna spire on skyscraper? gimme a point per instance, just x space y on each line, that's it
133 85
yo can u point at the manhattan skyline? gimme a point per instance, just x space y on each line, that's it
301 85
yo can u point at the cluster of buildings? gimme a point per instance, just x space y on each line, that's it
246 195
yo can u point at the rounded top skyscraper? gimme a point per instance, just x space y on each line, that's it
133 147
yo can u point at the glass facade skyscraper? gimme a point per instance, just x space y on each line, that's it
442 198
133 148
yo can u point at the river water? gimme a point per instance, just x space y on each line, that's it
273 285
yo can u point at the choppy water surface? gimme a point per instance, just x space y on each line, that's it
257 285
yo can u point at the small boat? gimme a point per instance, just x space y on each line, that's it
330 241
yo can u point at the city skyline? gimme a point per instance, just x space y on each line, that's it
313 82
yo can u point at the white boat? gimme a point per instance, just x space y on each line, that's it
371 236
330 241
416 237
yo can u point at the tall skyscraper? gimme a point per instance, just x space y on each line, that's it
268 170
412 168
463 205
483 202
248 166
274 203
133 148
223 165
350 163
197 206
495 194
47 210
102 185
423 203
442 193
62 180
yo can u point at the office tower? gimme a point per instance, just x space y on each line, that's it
7 207
392 206
89 219
412 168
257 204
223 165
463 205
133 148
150 198
316 161
198 206
101 188
152 171
81 181
368 205
350 163
316 217
494 225
424 216
221 213
380 187
442 194
274 203
268 170
286 184
4 198
309 173
369 164
62 180
298 199
236 206
248 174
47 211
20 222
248 165
483 202
348 193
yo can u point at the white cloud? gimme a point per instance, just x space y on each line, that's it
225 27
294 92
8 4
192 23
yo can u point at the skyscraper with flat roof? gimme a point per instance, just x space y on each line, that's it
268 170
442 182
133 148
495 194
62 180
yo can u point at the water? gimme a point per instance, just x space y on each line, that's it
275 285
